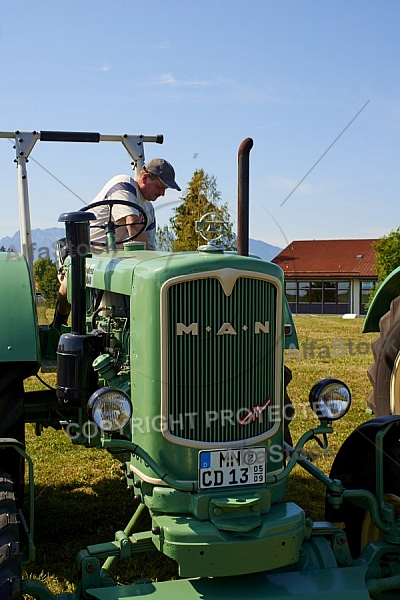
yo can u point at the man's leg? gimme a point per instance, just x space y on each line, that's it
63 307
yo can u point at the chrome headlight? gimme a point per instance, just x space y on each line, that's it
330 399
110 409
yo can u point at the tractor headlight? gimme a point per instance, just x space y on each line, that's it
110 409
330 399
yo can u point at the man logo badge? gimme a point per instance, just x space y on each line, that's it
225 329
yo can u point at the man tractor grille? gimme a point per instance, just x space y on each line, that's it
221 381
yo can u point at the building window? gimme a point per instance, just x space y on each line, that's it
343 292
318 297
329 292
366 289
316 292
291 291
304 292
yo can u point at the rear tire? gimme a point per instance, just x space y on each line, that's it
361 475
384 373
12 424
369 531
10 565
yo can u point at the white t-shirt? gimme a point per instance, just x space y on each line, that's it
122 187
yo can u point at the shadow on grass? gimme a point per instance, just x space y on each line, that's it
73 515
308 493
70 517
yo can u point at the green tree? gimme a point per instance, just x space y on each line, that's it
164 239
2 249
387 254
45 273
200 197
387 257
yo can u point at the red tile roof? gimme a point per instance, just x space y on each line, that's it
328 258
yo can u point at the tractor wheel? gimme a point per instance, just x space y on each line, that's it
369 531
384 373
12 424
10 566
359 527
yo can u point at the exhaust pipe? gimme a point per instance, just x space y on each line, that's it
77 235
76 378
243 197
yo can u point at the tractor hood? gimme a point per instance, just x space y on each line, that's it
118 273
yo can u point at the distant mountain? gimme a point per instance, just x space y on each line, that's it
263 250
42 240
43 244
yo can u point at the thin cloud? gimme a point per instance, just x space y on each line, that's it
212 90
162 46
167 79
105 67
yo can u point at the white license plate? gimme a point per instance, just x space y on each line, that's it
228 468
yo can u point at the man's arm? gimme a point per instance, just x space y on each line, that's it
132 223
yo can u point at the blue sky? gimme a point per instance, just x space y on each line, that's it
291 74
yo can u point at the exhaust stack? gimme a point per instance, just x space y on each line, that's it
76 378
243 196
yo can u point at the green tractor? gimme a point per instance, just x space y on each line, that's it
174 364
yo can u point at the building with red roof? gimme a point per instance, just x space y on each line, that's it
328 276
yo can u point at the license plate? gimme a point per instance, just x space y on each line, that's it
228 468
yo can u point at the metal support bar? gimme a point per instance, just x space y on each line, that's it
69 136
126 445
370 504
110 561
24 143
379 470
295 454
37 589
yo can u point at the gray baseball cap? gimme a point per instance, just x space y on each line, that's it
164 171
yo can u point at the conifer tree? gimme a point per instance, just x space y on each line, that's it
200 197
164 239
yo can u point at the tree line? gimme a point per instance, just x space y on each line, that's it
387 258
201 196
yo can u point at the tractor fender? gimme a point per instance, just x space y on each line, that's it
387 291
18 321
349 462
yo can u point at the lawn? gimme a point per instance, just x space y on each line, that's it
80 500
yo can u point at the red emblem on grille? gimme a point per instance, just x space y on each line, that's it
254 413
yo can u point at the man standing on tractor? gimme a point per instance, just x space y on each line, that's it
150 183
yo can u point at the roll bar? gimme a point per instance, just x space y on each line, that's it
24 144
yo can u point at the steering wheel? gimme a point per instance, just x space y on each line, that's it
110 226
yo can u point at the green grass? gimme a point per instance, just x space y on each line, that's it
80 500
45 314
340 350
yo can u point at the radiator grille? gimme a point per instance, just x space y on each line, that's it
221 359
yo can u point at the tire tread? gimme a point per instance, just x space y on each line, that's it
10 566
384 349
